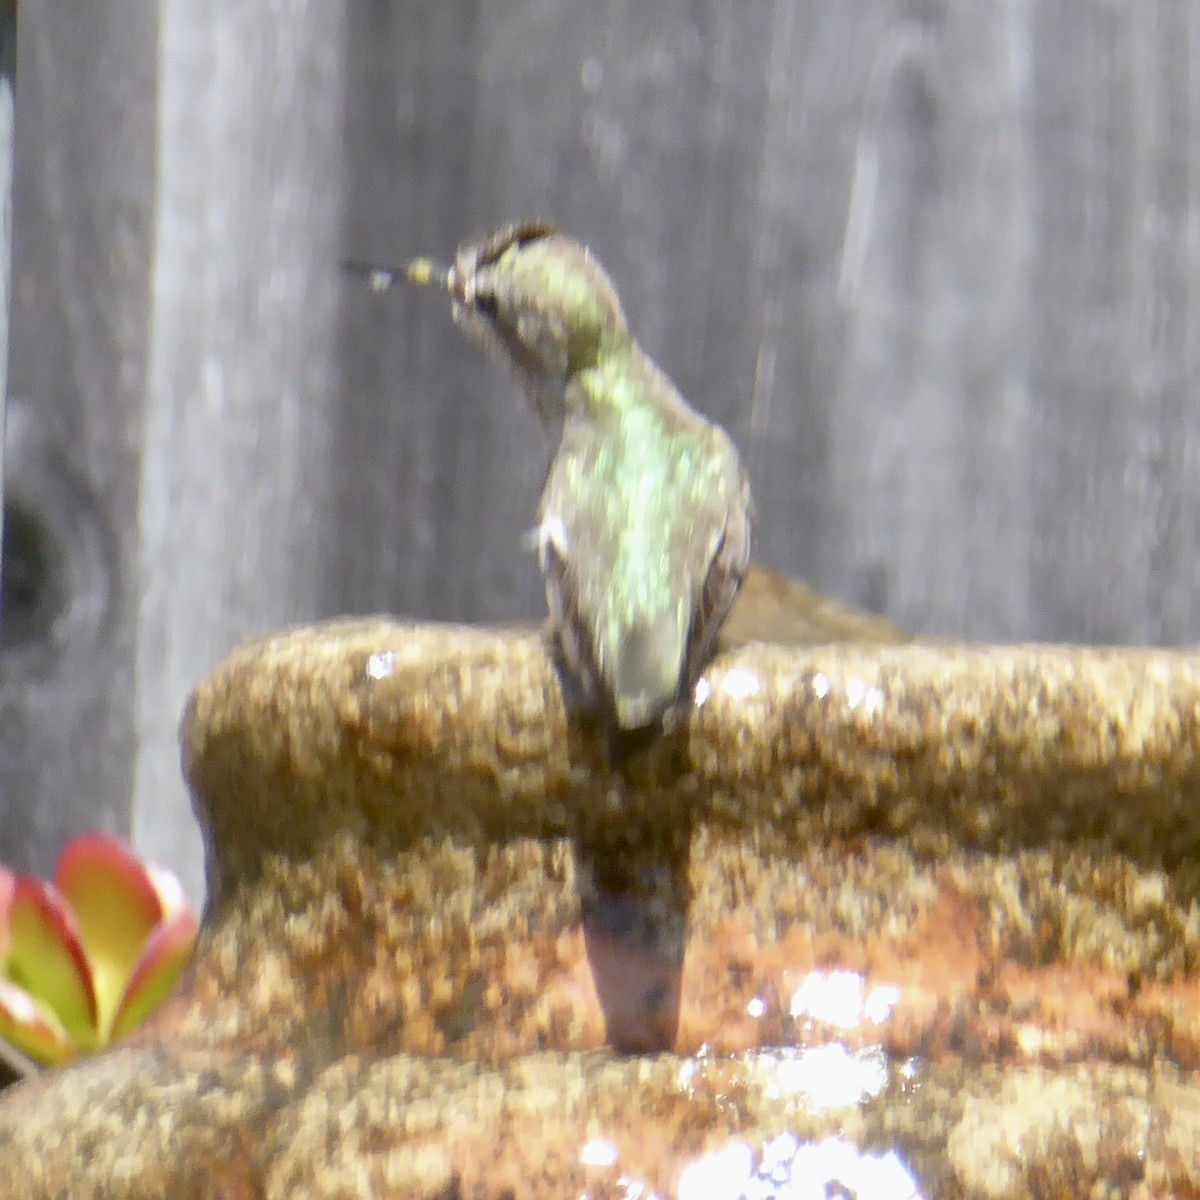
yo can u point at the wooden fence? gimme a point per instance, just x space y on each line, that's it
936 266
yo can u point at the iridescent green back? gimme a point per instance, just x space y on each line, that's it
640 497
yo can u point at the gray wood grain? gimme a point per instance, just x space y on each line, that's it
240 473
8 55
934 265
83 214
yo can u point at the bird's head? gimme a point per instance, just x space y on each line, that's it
536 299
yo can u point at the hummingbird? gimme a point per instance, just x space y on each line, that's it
645 520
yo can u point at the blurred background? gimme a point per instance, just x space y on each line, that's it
936 266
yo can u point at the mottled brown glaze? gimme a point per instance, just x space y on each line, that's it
773 608
921 917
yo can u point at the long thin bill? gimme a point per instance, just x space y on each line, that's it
424 271
379 279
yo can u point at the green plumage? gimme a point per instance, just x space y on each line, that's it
645 520
640 494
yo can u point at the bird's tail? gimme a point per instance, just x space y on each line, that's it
646 665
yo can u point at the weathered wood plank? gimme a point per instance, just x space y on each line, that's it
8 57
240 473
83 213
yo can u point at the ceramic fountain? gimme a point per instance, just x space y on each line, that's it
903 919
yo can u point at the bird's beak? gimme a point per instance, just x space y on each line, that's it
421 271
425 272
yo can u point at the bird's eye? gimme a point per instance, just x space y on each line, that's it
485 302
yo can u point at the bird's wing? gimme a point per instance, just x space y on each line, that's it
640 568
562 599
727 565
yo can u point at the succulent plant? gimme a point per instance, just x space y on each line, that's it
85 958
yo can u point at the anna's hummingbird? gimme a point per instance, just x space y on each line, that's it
645 521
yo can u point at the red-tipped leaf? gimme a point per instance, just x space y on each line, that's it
163 957
8 882
171 896
116 905
31 1027
47 959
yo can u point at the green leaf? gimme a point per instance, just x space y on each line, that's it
47 959
31 1027
116 906
163 957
